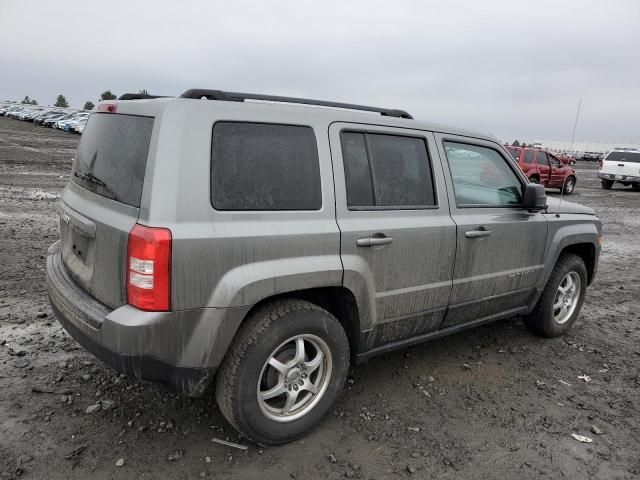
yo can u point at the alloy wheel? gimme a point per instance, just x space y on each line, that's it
566 299
294 378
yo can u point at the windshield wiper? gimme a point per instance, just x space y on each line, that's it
90 177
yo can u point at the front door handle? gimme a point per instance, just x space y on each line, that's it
373 240
477 233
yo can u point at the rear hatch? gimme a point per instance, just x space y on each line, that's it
621 164
101 202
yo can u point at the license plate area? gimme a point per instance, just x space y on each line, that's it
78 235
79 244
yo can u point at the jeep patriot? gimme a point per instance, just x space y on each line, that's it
259 245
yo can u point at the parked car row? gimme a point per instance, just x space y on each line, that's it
590 156
69 120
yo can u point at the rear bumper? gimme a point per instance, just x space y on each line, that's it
619 178
181 349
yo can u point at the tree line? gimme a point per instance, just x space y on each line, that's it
61 100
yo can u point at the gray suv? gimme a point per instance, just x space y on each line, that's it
262 244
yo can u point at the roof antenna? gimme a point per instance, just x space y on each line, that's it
573 135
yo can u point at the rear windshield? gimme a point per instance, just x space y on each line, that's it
633 157
112 156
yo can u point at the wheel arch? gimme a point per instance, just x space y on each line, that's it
580 238
586 251
339 301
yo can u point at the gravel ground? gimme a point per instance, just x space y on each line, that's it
494 402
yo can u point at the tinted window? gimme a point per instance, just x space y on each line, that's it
396 166
528 156
112 156
400 170
260 166
356 170
481 176
633 157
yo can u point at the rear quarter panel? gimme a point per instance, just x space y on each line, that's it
225 258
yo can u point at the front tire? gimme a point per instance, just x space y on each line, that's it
569 186
561 300
635 187
283 371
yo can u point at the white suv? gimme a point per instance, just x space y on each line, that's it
621 165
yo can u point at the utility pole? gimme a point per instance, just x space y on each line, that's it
575 125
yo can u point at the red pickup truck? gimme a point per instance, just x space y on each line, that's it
545 168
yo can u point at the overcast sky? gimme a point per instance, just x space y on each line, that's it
515 69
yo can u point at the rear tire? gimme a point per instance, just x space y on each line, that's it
635 187
561 300
283 372
569 186
534 180
606 184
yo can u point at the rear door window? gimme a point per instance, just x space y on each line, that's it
387 171
112 156
264 166
356 170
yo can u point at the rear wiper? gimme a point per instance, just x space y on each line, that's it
90 177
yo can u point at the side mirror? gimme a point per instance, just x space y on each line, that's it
534 197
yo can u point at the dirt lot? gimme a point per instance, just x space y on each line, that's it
495 402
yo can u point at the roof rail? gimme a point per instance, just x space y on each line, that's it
196 93
138 96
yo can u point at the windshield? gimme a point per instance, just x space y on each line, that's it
515 152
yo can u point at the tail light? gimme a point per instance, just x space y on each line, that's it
149 268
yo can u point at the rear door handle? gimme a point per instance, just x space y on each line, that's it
477 233
373 240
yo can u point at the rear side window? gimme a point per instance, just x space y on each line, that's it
633 157
528 156
389 171
261 166
112 156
